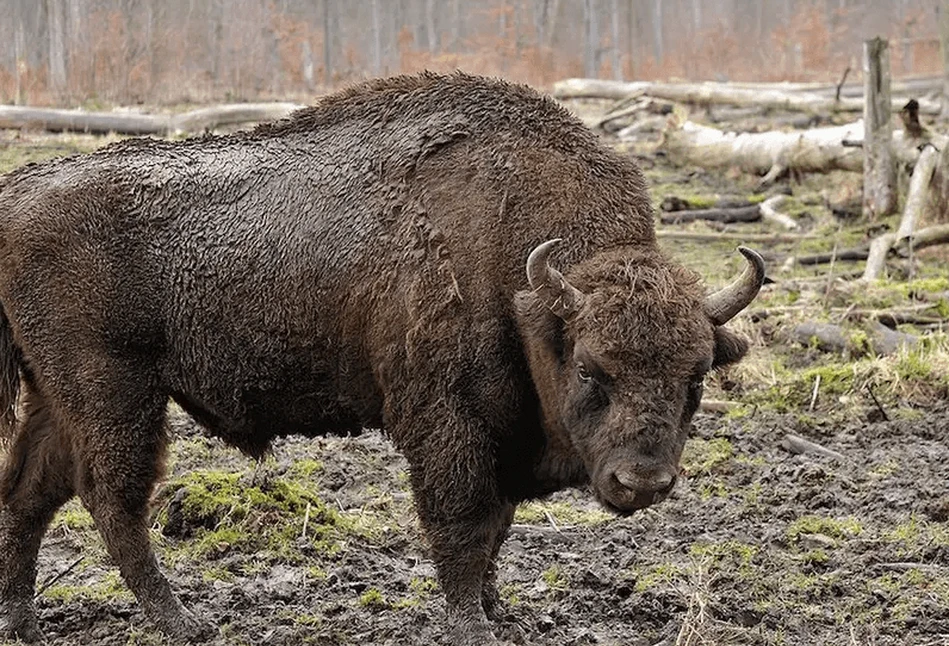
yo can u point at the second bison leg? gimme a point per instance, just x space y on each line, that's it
121 458
36 480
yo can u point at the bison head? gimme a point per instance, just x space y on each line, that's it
618 355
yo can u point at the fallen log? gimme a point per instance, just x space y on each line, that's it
720 94
725 215
826 337
830 337
815 150
100 123
907 86
884 340
928 237
675 203
856 253
761 238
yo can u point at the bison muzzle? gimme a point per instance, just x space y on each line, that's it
359 264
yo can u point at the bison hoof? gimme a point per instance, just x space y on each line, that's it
473 633
188 628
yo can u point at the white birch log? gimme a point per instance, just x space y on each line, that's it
722 94
814 150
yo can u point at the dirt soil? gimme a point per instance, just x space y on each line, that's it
756 546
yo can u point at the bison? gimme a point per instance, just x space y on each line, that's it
359 264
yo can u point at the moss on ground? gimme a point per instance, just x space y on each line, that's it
273 520
703 457
562 513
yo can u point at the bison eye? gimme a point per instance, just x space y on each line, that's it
583 373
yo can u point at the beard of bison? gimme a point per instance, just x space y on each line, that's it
618 355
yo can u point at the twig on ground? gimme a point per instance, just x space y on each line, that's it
855 253
553 523
843 79
904 566
876 402
306 521
814 394
46 586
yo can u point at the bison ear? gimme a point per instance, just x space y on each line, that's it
729 347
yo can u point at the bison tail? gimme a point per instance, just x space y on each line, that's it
10 360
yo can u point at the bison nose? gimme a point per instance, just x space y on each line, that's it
658 483
629 491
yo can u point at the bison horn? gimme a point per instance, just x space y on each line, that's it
562 298
728 301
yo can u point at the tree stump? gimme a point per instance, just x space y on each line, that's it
879 169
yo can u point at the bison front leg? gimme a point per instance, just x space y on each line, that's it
455 485
463 549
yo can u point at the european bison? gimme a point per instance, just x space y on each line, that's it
359 264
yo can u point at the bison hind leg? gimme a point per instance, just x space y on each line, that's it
37 478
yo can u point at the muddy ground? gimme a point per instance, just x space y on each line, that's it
757 546
318 544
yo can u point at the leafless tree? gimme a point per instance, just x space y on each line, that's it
62 51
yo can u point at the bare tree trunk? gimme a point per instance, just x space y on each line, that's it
634 45
456 25
74 34
540 21
553 21
376 39
418 24
590 39
327 43
657 43
216 38
879 169
307 63
431 25
944 48
615 46
19 57
56 34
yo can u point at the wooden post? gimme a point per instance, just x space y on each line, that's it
879 169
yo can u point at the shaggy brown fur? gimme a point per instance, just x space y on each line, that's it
358 264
